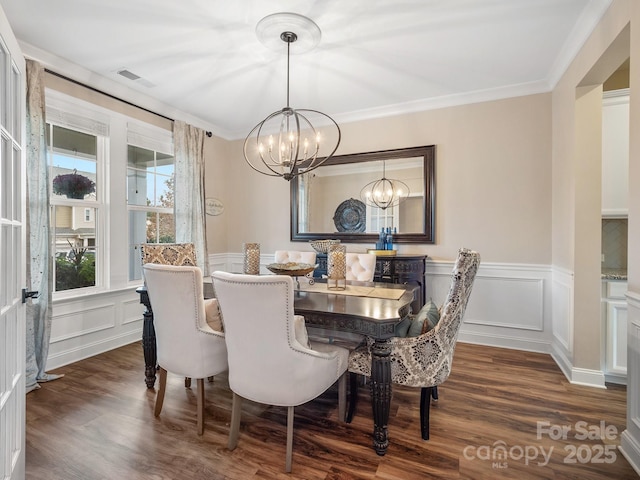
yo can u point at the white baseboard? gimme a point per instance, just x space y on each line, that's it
630 449
561 359
504 341
588 378
617 378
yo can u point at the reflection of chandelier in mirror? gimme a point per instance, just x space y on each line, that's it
384 192
286 142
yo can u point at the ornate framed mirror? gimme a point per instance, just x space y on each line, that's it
326 203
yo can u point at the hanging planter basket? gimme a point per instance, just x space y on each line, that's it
73 185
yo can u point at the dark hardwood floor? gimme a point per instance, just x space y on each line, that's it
97 423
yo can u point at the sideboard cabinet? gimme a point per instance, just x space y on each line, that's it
403 269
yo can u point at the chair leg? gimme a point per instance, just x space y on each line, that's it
187 382
162 386
234 428
342 396
434 393
200 401
353 395
289 439
425 401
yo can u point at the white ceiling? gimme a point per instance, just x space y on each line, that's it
375 58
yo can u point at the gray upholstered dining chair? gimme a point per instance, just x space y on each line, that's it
270 358
186 344
424 361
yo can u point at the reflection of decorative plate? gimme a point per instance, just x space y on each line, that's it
350 216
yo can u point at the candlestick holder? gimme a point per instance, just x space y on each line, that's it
337 267
251 258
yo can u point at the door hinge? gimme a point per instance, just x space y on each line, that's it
27 294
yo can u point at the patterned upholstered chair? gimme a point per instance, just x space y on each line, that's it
180 254
271 360
425 361
187 345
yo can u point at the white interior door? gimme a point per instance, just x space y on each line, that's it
12 255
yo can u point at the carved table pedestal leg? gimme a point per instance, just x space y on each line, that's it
148 342
380 393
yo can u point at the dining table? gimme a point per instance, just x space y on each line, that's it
369 309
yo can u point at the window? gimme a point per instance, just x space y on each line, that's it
114 191
150 189
378 218
73 166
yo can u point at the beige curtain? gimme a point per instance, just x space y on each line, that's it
39 260
189 190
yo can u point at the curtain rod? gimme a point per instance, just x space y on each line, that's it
101 92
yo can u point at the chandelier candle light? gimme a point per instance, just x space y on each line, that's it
286 143
384 192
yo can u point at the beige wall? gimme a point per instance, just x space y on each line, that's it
493 181
577 172
217 185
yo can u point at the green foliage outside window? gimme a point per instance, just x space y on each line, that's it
75 270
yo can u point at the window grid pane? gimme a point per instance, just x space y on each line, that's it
150 185
4 93
75 248
17 173
6 204
73 163
16 130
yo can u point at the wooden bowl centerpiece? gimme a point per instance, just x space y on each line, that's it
291 268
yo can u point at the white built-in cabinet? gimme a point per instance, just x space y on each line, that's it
615 153
614 306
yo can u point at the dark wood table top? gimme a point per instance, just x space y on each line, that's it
375 317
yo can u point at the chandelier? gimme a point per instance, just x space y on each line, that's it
287 143
384 192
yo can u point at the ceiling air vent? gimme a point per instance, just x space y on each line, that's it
135 78
127 74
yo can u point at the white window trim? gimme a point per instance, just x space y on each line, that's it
101 218
113 129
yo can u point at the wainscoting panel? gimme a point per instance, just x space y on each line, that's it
562 324
88 325
562 320
509 304
132 311
90 319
